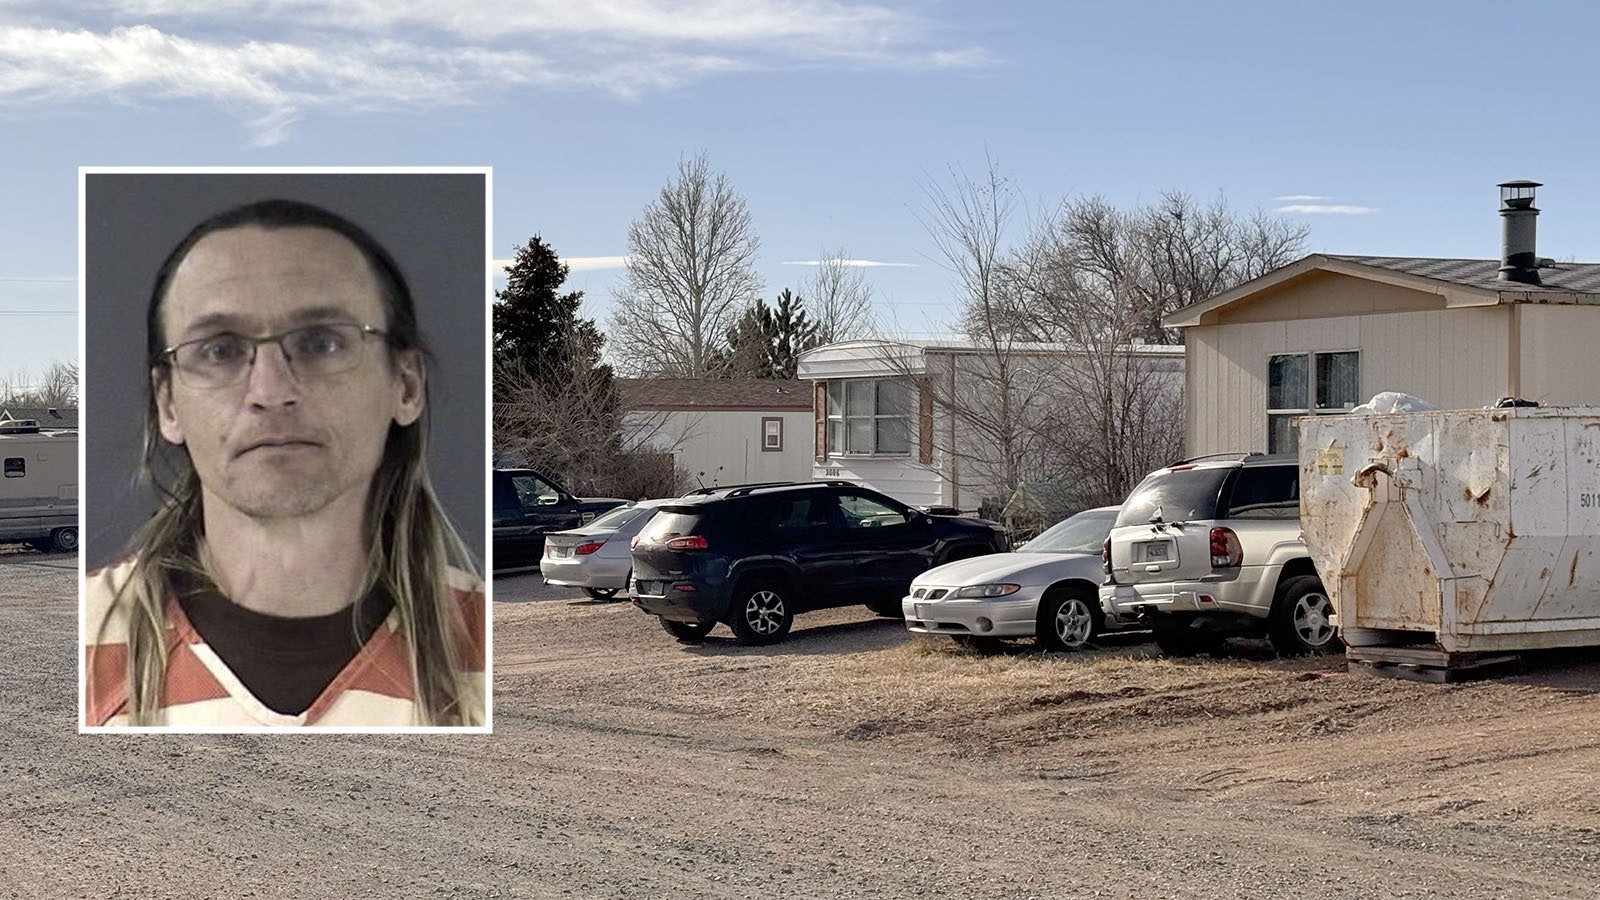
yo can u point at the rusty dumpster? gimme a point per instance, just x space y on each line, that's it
1479 527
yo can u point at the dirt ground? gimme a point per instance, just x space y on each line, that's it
854 760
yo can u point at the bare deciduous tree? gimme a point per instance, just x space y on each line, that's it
58 387
570 424
988 395
690 274
1065 380
841 301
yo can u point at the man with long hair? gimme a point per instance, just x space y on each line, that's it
299 570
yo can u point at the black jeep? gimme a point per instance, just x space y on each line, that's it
753 556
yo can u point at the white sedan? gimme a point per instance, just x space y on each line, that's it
1048 589
595 556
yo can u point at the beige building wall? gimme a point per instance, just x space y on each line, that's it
1453 358
1560 356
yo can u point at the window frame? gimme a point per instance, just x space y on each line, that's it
1311 385
20 470
840 417
771 447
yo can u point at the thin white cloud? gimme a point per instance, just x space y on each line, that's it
576 263
271 61
1315 209
1301 198
852 263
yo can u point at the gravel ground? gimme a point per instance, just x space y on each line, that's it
853 760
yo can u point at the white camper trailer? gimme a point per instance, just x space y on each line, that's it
38 485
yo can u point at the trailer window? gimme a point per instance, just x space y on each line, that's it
16 467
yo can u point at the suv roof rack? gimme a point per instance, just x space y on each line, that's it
1231 454
740 490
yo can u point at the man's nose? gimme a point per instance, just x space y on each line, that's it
271 381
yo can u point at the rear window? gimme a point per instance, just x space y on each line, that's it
1266 492
673 521
1181 496
616 518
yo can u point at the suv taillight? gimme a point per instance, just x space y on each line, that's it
693 542
1225 549
587 547
1105 555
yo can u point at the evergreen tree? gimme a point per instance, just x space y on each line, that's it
537 326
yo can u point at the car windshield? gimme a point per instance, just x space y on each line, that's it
1082 533
1182 495
615 519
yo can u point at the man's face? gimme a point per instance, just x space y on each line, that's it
275 445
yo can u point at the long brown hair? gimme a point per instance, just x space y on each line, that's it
411 543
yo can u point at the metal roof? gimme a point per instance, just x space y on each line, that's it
1564 277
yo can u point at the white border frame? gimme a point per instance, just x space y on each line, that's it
85 418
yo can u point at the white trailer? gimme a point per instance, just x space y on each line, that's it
39 485
1471 531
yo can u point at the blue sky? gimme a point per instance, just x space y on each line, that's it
829 116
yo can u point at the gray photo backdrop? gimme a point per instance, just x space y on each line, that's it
432 223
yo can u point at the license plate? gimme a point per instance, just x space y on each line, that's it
651 588
1155 552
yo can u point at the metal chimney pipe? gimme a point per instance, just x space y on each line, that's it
1519 259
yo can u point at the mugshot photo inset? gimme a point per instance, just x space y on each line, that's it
284 444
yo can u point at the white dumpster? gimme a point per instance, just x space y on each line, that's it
1479 526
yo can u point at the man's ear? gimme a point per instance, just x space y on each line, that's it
161 389
411 372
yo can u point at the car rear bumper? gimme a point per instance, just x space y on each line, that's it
680 601
586 571
1126 601
1014 616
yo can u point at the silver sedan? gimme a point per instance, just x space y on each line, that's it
595 557
1047 589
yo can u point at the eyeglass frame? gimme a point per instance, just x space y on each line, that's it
168 355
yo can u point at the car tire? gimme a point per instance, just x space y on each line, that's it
687 632
1299 622
761 612
1176 636
64 540
978 643
1069 619
601 595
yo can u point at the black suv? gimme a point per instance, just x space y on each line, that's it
754 555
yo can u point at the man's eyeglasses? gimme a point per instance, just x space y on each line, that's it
312 351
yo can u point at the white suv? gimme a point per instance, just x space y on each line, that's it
1210 548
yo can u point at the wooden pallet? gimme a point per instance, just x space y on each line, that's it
1427 663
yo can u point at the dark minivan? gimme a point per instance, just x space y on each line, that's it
752 556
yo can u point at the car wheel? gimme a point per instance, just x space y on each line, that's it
1177 636
761 613
687 632
1299 621
977 643
64 540
601 594
1068 619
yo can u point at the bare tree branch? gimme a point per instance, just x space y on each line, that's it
841 301
690 273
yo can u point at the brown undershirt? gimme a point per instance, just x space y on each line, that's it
285 662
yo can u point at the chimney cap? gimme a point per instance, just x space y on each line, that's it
1517 195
